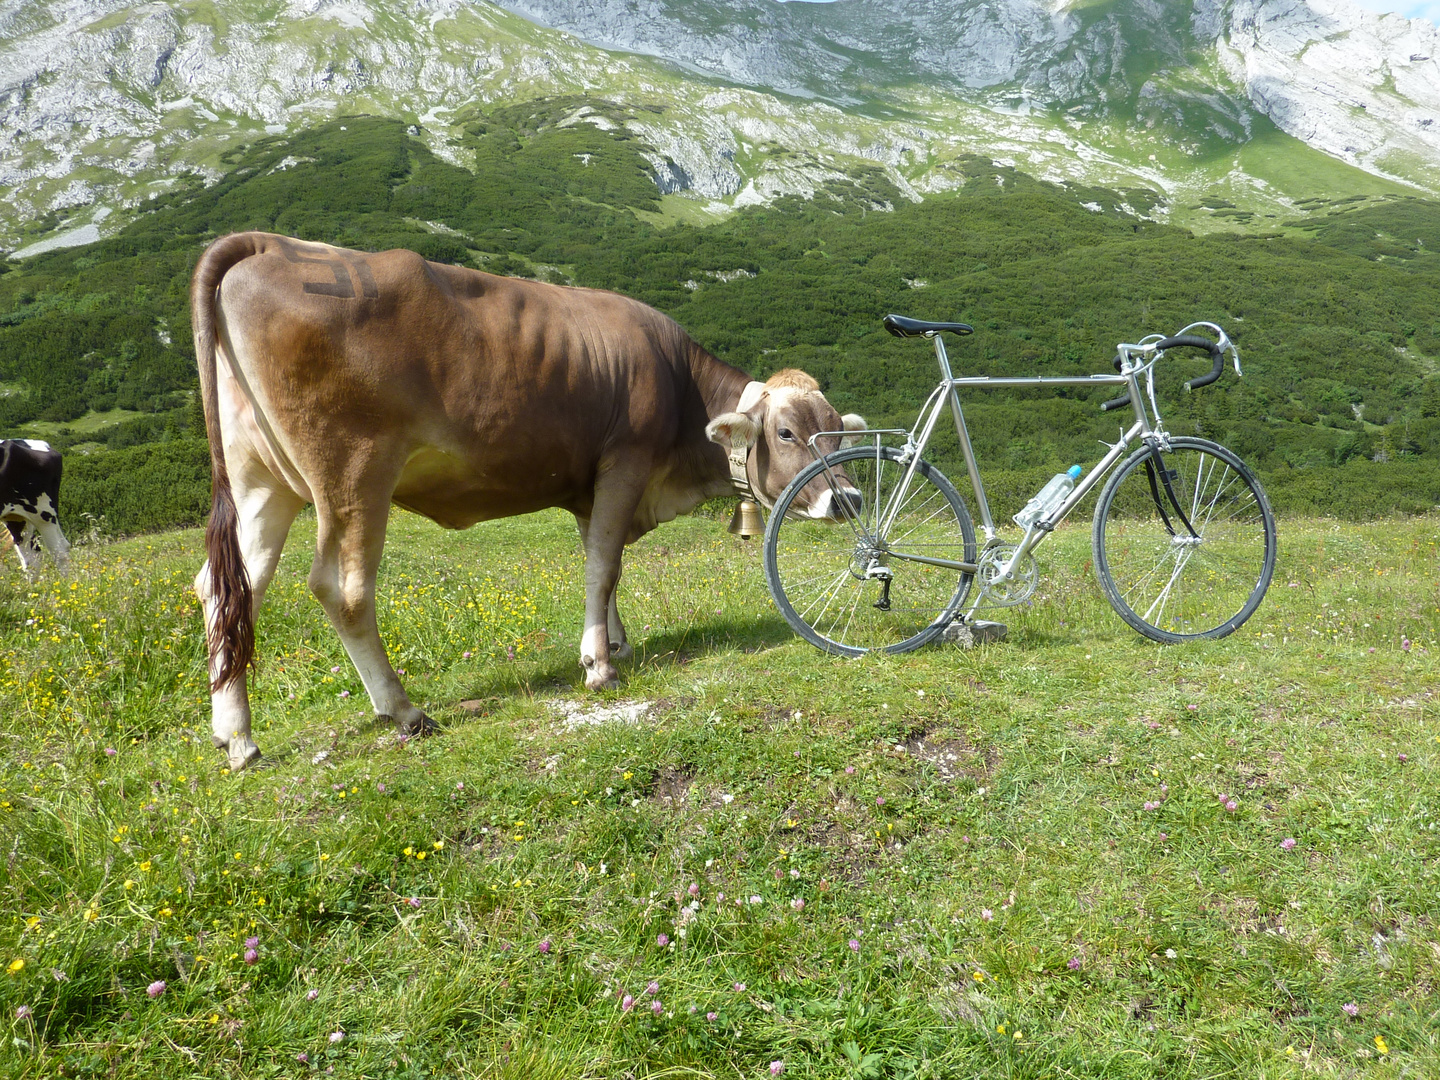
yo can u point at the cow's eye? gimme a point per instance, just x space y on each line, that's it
786 434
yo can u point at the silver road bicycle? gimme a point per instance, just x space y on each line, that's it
1184 538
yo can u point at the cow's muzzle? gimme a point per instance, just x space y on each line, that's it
837 505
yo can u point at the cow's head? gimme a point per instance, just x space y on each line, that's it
776 426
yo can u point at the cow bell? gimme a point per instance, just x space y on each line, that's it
747 521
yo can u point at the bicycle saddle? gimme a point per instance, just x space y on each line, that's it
901 326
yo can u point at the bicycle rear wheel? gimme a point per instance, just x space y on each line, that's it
1184 541
847 586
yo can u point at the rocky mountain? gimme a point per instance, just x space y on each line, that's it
1359 86
1237 108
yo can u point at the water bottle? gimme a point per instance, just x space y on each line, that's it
1048 499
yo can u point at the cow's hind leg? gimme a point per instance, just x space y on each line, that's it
15 535
620 648
347 559
264 514
617 492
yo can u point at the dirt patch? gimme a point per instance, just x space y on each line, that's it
771 717
1244 916
671 784
852 855
486 845
952 758
675 704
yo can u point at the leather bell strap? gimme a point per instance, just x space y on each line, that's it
740 455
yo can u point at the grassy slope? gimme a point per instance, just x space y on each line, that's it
983 892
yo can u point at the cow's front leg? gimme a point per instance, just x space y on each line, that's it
347 559
620 648
617 492
55 542
619 645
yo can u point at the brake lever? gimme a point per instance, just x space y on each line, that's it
1223 344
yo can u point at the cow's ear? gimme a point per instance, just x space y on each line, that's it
852 422
733 429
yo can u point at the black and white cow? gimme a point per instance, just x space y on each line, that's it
30 502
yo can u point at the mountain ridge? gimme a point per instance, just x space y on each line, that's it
105 103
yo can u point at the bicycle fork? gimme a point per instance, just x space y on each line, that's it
1155 468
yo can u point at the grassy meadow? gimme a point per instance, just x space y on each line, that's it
1071 854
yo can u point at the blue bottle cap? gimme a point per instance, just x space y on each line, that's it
1074 472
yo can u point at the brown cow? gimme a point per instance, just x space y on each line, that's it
353 380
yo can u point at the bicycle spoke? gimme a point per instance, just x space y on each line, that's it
937 514
1163 598
1206 584
827 583
1140 584
833 591
1248 504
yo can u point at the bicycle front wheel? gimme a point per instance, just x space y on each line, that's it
854 585
1184 541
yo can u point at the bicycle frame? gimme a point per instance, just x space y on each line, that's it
1135 361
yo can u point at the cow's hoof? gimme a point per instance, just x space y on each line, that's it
241 752
417 727
601 677
621 650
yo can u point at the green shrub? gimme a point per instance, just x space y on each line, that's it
138 489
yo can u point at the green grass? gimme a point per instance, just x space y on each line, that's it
1302 172
91 422
984 892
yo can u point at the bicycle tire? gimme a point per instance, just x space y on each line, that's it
1195 565
812 567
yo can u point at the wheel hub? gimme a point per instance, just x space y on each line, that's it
868 562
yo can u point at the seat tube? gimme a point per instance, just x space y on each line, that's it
963 433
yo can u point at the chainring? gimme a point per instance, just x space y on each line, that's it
1001 593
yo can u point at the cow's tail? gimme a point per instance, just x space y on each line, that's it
230 627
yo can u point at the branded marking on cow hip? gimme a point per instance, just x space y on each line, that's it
343 287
